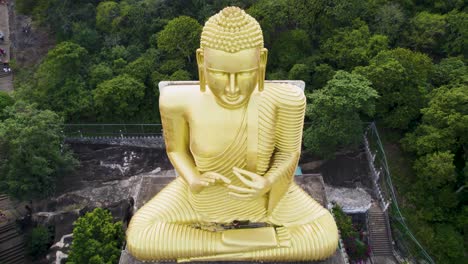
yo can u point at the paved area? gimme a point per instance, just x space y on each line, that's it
6 80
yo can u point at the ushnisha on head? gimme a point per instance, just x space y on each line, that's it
231 58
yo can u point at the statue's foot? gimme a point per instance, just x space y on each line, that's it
258 238
237 243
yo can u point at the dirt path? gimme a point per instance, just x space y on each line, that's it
6 80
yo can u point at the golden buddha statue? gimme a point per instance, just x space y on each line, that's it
235 143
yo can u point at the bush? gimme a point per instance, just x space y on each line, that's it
39 242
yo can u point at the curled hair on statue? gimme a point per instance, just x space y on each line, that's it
231 30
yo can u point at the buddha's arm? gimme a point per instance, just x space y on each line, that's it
288 137
176 136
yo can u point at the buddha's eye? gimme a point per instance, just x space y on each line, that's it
217 73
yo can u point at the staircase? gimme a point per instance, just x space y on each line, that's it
380 241
12 248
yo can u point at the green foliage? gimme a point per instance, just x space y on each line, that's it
99 73
444 123
448 243
180 75
456 33
389 20
59 82
106 12
31 153
290 47
170 66
96 239
351 47
118 99
322 74
344 223
427 31
449 70
85 36
181 36
401 78
5 100
335 111
39 242
300 72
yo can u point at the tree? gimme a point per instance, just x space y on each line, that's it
118 99
32 155
180 75
39 242
444 124
60 81
456 33
86 36
401 78
289 48
434 188
99 73
351 47
389 20
321 75
335 111
426 32
5 101
180 36
300 72
449 70
449 245
106 12
96 239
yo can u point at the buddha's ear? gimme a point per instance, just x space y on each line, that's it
262 69
201 69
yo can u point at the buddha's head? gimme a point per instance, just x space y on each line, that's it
231 58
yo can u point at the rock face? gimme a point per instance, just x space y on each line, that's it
348 169
104 163
351 200
125 176
109 176
312 184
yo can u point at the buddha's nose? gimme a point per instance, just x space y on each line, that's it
232 88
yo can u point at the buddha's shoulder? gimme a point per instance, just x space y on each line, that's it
174 97
285 94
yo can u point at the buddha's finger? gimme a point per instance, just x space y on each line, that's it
244 180
204 183
217 176
208 179
250 174
240 196
240 189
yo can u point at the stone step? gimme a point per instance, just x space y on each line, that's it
14 253
7 227
8 235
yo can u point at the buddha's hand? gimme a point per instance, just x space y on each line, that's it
255 185
207 179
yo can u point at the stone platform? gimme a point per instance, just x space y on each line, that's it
312 183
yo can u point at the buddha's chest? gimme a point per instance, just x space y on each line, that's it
212 132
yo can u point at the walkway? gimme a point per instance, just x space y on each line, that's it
6 80
12 246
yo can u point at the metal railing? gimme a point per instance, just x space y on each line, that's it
112 130
405 243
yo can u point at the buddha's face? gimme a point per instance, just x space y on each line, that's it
231 77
